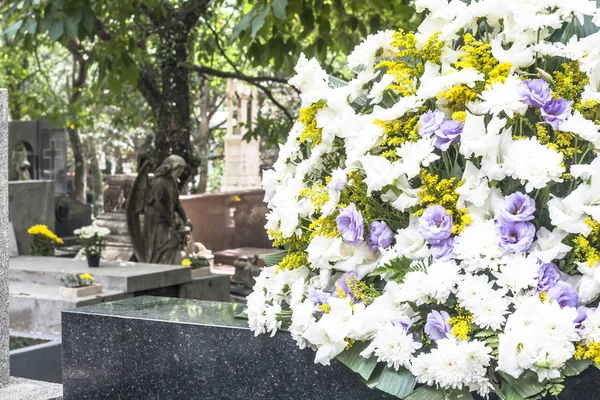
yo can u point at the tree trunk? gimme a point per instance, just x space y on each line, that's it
79 158
97 177
79 79
173 136
204 138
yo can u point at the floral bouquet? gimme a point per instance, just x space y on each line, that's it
43 241
77 280
93 239
441 211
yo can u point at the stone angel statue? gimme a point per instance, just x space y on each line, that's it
165 228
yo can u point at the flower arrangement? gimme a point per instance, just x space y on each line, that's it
441 211
93 239
43 241
77 280
195 261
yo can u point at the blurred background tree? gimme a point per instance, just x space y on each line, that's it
117 72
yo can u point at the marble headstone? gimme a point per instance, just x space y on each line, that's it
12 241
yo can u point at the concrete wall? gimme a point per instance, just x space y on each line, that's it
228 220
4 360
30 203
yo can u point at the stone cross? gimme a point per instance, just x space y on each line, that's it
4 355
51 155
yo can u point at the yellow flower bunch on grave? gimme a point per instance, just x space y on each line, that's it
43 241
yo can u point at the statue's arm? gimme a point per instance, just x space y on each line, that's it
179 210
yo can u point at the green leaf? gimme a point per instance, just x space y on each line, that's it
12 30
258 21
396 269
398 383
242 25
574 367
279 8
353 360
273 259
30 25
510 393
71 27
526 385
429 393
56 30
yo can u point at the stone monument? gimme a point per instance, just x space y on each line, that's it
44 147
118 246
242 158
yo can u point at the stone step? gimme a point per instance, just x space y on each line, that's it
37 308
127 277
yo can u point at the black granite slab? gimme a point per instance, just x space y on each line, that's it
164 348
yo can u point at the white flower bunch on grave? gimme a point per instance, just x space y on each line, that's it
92 239
440 213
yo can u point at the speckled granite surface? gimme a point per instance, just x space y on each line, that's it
162 348
4 360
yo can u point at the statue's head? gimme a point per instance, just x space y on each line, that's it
174 165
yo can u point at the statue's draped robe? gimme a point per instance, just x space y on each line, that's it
160 223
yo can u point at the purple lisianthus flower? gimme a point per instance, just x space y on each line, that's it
448 132
435 224
564 294
341 288
437 326
515 237
430 121
548 275
443 250
518 207
350 224
582 314
404 322
319 297
536 92
556 111
380 235
338 179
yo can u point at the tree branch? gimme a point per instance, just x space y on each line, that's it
253 80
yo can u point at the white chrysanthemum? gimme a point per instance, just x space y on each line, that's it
454 364
375 46
533 163
477 246
501 96
433 87
413 155
488 306
393 346
376 93
435 284
584 128
303 317
519 272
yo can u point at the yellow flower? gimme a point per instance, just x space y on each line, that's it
186 262
87 277
44 231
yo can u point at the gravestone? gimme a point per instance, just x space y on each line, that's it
242 158
70 215
46 151
204 353
30 203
